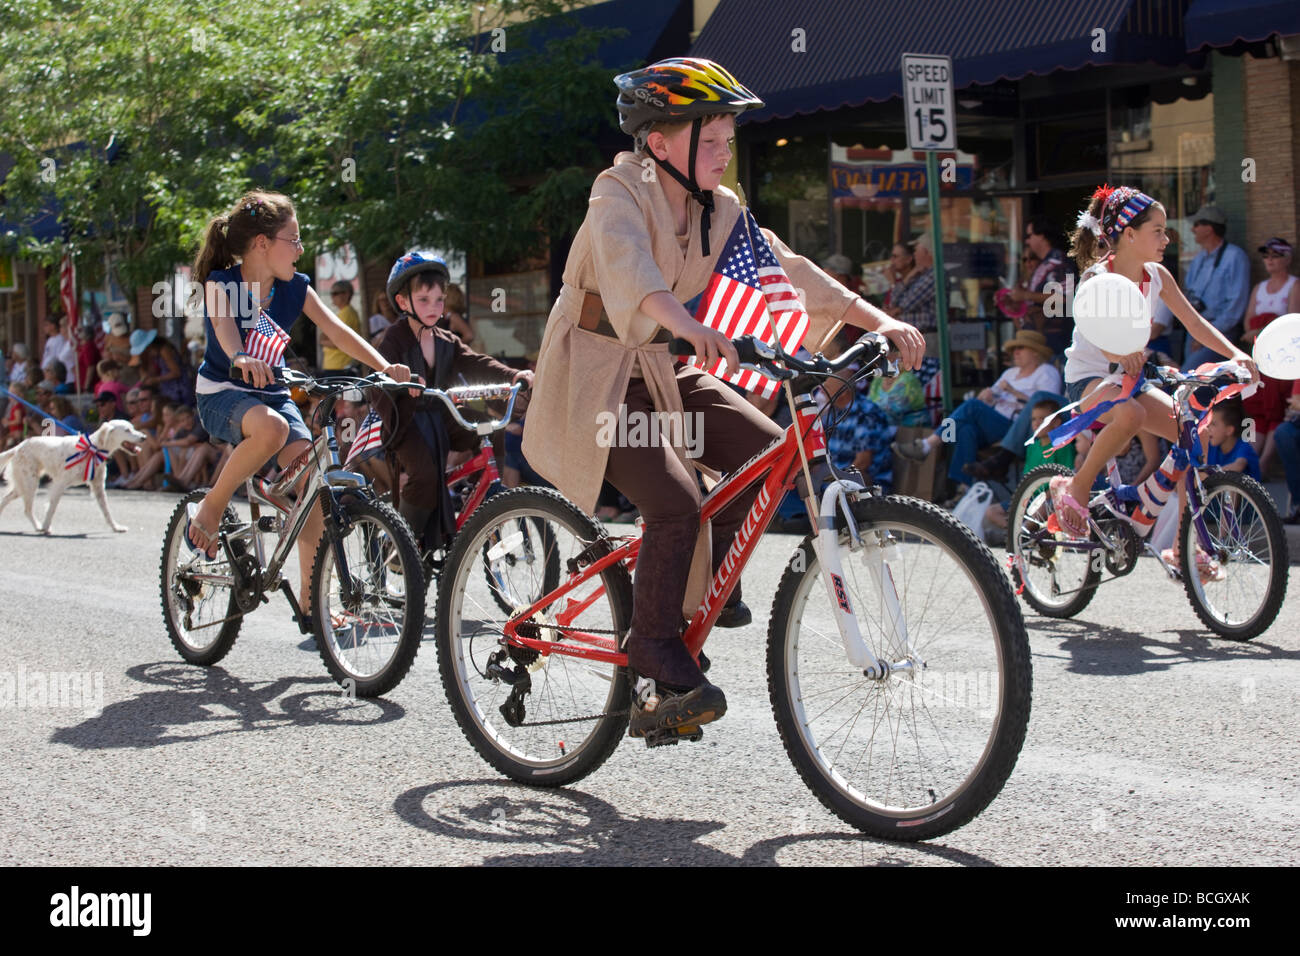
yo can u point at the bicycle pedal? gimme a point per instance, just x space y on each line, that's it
665 738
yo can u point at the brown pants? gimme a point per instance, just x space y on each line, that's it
668 496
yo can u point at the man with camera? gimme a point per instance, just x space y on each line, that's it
1217 282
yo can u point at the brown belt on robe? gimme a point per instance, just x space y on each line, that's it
593 319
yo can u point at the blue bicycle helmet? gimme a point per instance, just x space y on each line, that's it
410 265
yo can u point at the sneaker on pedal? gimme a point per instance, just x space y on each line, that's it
658 707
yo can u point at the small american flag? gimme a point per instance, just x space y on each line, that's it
367 441
748 283
266 341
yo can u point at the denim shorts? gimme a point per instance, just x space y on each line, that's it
221 414
1074 390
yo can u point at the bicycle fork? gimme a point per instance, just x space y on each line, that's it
877 559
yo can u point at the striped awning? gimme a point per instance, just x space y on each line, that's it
802 58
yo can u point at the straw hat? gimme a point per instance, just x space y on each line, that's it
1029 339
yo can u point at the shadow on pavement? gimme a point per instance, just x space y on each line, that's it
566 827
208 702
1114 651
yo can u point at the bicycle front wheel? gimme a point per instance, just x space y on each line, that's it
369 620
1240 598
1058 582
923 751
537 717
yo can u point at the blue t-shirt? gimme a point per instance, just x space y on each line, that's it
1240 450
284 308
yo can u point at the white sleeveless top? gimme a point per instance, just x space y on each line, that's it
1274 302
1083 360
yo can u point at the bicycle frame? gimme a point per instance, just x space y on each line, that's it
484 461
1189 440
778 467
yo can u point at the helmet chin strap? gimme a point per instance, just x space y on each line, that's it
423 328
703 196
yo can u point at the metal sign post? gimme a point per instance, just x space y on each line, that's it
929 113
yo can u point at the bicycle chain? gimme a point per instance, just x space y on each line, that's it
573 720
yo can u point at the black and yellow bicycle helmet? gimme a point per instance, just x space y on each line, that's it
673 91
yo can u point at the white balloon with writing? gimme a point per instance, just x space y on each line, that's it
1112 314
1277 348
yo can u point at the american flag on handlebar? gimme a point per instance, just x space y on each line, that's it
748 282
368 439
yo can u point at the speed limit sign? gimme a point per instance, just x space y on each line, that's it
928 102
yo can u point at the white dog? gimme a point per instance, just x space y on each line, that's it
68 460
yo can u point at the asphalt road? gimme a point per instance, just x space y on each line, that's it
1150 742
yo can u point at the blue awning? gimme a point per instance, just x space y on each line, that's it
852 53
1225 22
653 30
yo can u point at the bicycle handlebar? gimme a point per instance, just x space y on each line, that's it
1170 376
773 361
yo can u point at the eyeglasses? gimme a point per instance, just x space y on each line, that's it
297 243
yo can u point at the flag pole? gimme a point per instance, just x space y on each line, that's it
789 392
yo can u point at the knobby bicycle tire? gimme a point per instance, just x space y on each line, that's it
1031 485
174 551
369 645
1258 553
575 711
974 626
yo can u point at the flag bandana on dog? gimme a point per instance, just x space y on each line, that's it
87 455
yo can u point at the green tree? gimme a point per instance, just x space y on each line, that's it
390 122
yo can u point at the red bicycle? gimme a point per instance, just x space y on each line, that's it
898 665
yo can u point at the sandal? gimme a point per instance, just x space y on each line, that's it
1207 569
1070 515
192 523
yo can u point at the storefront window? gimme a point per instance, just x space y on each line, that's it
791 193
1167 151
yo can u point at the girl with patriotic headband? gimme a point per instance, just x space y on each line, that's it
252 296
1122 230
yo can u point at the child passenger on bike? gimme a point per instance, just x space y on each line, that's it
656 224
421 432
246 267
1123 231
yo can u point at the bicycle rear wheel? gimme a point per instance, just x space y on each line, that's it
1249 543
199 606
368 628
923 751
539 718
1058 582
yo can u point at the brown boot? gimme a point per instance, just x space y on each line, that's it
669 689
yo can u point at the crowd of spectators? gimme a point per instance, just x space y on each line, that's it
93 372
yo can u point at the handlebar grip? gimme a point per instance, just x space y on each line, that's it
745 350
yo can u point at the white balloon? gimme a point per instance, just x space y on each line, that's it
1112 313
1277 347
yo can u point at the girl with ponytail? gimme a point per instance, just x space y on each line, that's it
1122 230
252 297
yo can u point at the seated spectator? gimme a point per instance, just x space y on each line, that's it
1224 446
901 399
56 377
87 357
381 314
1287 437
1279 294
110 374
106 407
160 367
858 433
181 437
63 412
987 417
18 358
